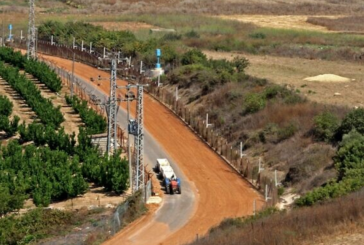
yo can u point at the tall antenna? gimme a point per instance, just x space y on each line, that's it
111 132
139 142
31 31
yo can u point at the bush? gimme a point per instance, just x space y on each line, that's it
350 166
192 34
325 126
257 35
194 56
6 106
354 120
253 102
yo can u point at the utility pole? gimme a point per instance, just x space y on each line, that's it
73 74
111 132
2 30
136 128
31 31
129 149
139 142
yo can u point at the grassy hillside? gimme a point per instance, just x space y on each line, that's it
200 6
299 226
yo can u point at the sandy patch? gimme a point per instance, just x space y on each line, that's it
280 21
123 26
330 78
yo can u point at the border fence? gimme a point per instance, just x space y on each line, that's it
262 180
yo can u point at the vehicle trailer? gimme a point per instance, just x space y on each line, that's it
169 178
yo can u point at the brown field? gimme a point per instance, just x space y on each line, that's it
281 21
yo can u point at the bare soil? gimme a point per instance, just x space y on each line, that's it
281 21
221 193
123 26
95 197
292 71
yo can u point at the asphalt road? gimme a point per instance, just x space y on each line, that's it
166 214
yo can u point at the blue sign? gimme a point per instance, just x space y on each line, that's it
10 27
158 52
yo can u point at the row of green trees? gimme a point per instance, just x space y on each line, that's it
94 122
6 108
56 172
44 109
65 32
38 69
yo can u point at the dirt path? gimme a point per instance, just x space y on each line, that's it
20 107
72 119
292 71
221 193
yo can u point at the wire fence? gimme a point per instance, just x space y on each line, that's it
251 171
102 224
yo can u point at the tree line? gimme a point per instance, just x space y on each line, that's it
94 122
44 108
38 69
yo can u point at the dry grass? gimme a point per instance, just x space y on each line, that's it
308 7
295 227
351 24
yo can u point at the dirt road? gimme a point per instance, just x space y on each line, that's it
220 192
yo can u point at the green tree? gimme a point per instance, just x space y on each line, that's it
325 126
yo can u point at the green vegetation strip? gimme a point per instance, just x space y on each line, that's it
94 122
55 172
48 114
6 108
38 69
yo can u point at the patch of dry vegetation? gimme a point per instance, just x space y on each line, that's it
299 226
352 24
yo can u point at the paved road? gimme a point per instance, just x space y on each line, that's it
166 214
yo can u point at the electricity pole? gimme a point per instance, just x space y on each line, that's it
31 31
73 74
111 131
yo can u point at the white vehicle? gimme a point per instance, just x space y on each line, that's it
170 181
161 162
167 172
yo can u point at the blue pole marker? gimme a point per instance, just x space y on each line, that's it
10 28
158 54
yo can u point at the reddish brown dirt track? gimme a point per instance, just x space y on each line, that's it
220 192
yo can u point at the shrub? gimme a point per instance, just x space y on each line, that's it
193 56
257 35
325 126
286 132
240 63
6 106
192 34
354 120
253 102
171 37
